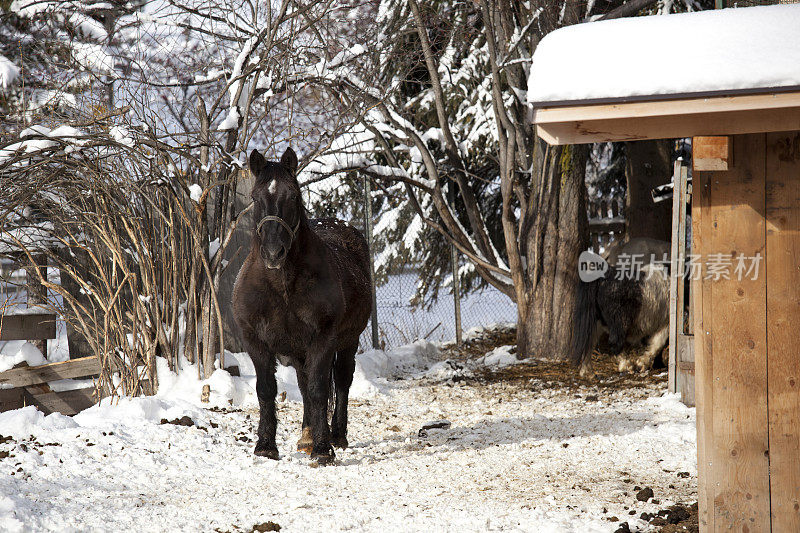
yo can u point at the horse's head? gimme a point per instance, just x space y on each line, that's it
278 207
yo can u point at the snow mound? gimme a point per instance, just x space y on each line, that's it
721 50
26 352
500 356
133 411
410 359
30 421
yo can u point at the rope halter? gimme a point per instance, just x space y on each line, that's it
279 220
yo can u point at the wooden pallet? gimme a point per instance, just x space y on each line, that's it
28 384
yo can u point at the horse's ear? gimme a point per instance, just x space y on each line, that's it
289 160
257 162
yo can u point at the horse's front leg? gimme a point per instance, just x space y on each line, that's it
318 380
266 390
305 443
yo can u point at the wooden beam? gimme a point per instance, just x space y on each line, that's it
11 399
686 366
712 153
672 369
685 343
722 115
28 326
783 336
67 403
702 292
739 450
32 375
664 108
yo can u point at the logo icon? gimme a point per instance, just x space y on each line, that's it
591 266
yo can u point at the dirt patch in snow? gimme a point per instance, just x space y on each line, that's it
548 374
678 518
559 374
480 343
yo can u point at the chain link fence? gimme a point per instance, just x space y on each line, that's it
401 322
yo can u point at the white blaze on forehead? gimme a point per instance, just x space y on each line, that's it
273 185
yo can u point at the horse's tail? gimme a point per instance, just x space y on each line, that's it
585 324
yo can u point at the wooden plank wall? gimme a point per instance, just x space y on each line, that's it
732 391
783 334
703 349
740 461
748 393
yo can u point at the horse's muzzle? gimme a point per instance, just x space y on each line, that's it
273 259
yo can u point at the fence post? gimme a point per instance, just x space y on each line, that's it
36 293
456 292
368 231
451 189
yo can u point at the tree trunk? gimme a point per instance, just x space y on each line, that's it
554 243
648 165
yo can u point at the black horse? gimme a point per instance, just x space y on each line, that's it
302 296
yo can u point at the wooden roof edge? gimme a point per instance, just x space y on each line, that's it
688 106
720 115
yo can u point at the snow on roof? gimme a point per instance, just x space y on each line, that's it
728 50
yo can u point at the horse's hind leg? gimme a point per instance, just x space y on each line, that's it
343 370
654 347
306 442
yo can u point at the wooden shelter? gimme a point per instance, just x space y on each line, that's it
746 185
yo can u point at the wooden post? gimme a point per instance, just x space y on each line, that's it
684 347
672 368
733 447
451 190
783 336
456 292
703 345
36 292
368 232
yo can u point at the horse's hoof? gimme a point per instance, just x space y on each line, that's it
304 447
306 442
339 442
323 459
269 453
323 456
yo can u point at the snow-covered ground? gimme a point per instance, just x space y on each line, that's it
517 458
